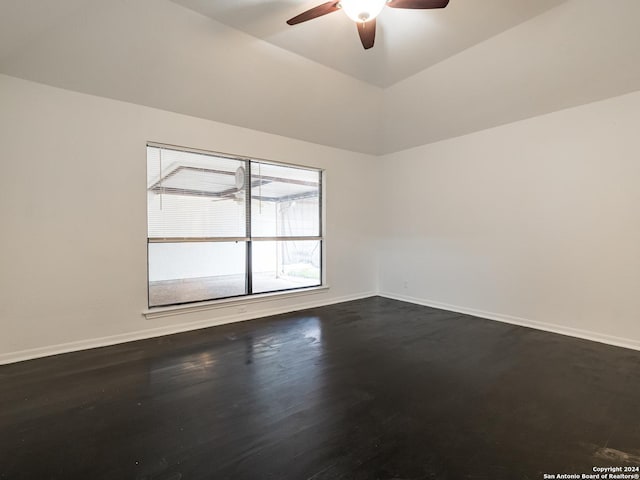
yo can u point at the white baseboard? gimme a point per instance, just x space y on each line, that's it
523 322
32 353
29 354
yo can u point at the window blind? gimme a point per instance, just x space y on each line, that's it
222 226
196 196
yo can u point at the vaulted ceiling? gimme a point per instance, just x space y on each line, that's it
432 74
407 41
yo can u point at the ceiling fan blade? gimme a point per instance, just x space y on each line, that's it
314 12
367 31
418 4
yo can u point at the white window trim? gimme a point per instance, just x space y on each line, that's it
173 310
181 309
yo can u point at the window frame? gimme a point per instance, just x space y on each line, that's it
248 239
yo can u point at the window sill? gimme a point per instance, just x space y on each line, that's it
160 312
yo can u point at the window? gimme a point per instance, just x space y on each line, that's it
221 226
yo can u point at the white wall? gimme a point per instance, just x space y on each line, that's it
536 222
73 209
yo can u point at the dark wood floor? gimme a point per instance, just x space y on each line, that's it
371 389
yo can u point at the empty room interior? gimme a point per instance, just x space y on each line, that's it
296 239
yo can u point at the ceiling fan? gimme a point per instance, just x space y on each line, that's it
364 13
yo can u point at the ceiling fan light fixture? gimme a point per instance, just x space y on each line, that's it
362 10
364 13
